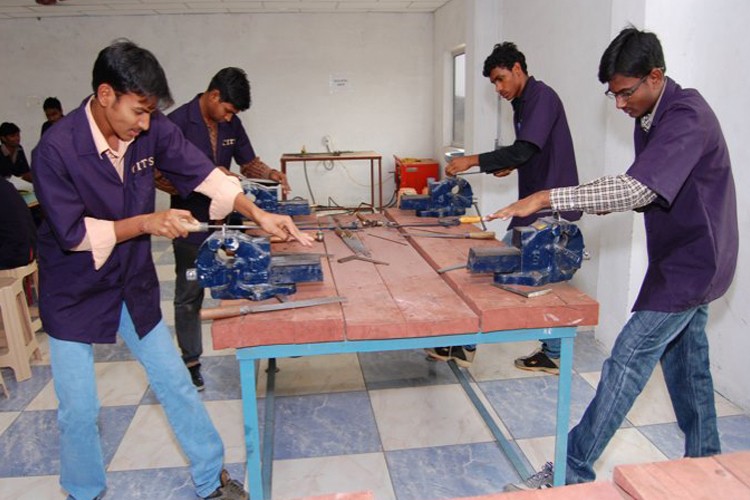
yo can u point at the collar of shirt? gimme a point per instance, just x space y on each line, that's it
648 119
116 157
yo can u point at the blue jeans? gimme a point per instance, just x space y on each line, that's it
678 341
551 348
82 472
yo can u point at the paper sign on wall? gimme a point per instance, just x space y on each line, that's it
339 83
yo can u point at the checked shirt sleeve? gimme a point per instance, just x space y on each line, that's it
606 194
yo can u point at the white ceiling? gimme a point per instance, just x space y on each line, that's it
10 9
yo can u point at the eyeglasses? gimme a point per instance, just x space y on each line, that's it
627 93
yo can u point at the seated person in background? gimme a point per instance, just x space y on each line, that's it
12 158
17 229
53 111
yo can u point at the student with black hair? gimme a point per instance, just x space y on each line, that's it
211 123
53 111
13 160
542 154
96 271
681 179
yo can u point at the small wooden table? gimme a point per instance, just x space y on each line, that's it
370 156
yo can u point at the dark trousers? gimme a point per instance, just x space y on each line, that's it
188 298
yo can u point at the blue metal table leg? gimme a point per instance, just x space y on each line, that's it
563 409
269 426
252 435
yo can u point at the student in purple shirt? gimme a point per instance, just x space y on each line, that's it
94 169
211 123
544 157
681 179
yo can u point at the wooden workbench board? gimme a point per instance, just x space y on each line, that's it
497 309
401 300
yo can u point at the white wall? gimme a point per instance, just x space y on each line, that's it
289 58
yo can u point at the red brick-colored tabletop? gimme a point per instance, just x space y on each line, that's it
404 299
722 476
497 309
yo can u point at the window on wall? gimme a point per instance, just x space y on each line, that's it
459 98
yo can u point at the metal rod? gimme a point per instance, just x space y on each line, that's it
510 453
267 460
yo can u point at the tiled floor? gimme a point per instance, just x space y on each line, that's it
393 423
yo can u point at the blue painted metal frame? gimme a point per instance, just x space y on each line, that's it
259 475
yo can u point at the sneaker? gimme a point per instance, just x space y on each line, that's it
195 374
463 356
230 489
538 481
537 361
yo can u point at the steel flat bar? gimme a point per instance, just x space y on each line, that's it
508 450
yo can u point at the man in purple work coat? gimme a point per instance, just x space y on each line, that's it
94 172
211 123
681 179
544 157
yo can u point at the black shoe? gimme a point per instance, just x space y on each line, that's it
460 354
537 361
439 353
195 374
230 489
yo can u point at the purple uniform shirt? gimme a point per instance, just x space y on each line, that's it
691 229
539 118
77 302
232 143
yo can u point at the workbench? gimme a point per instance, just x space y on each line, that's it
370 156
403 305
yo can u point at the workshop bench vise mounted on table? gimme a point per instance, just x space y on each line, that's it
548 251
267 198
451 196
234 265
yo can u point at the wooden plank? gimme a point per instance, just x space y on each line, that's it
737 464
401 300
687 478
498 309
323 323
600 491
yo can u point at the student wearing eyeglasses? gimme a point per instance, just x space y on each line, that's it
681 179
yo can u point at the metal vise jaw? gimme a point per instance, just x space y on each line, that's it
451 196
237 266
548 251
267 198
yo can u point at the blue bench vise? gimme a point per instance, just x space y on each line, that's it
266 197
548 251
234 265
449 197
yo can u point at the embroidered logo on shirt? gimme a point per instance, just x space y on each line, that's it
142 164
228 142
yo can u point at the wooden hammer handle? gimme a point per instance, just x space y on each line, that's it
223 312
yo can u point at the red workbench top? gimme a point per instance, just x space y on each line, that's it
497 309
404 299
